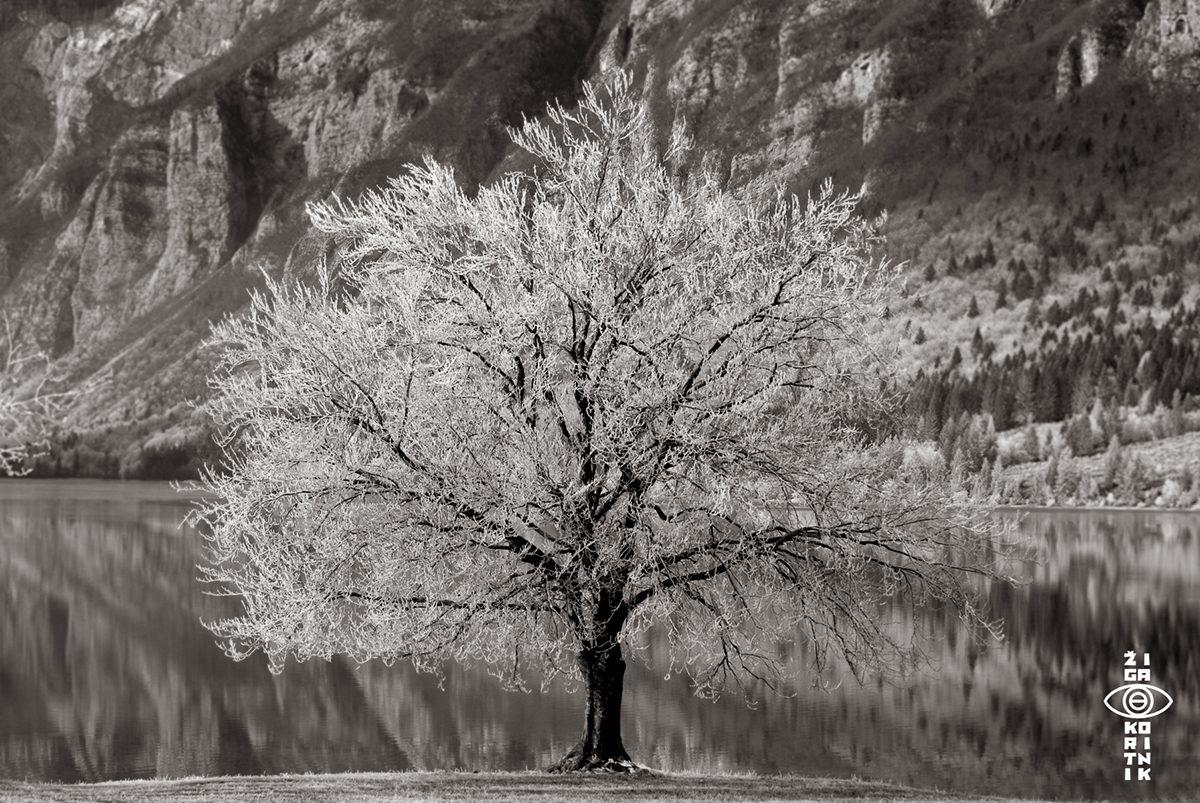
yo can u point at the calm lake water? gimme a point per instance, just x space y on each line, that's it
106 672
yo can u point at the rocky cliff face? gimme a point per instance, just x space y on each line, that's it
178 132
160 152
1167 40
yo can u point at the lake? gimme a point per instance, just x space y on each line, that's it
106 673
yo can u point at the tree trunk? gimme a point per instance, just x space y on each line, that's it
600 748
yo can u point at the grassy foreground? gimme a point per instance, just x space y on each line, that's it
512 786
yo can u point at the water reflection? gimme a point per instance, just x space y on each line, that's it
105 673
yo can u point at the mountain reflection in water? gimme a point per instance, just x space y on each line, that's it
106 672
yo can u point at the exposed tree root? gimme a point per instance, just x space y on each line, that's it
579 760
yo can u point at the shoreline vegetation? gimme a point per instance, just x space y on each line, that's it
493 786
1160 474
1110 458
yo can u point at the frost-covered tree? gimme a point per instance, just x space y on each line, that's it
526 425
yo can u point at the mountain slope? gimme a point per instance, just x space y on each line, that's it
160 154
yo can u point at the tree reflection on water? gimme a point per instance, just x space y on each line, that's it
105 672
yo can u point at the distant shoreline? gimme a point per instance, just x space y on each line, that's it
1096 509
193 487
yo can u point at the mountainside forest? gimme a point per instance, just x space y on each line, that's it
1036 161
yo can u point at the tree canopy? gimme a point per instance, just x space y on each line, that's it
524 425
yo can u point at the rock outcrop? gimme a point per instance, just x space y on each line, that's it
1167 40
1101 44
992 8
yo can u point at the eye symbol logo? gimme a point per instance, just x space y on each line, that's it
1136 701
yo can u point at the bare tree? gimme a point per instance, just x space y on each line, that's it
523 426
